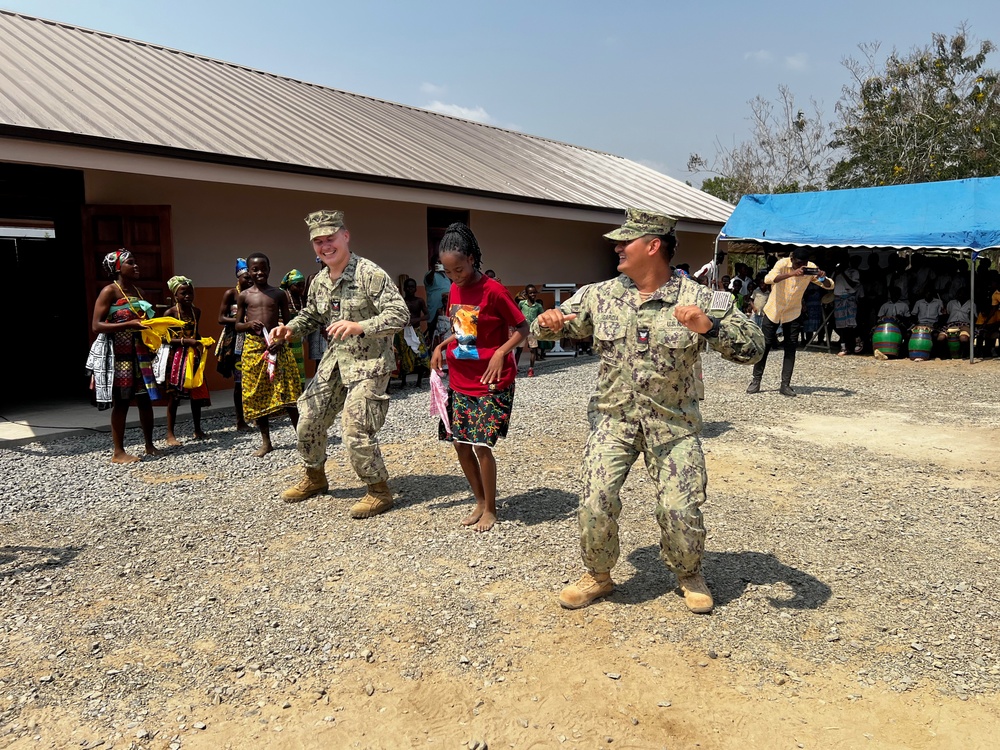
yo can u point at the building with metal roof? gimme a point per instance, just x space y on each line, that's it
194 161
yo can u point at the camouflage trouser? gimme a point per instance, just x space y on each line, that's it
677 469
364 405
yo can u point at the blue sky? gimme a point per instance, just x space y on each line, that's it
652 81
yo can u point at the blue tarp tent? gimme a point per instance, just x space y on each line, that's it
955 215
961 214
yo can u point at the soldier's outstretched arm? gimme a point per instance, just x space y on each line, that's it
739 339
572 319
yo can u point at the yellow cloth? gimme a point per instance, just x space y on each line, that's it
262 395
159 331
156 331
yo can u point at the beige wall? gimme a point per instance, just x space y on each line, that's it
531 250
694 248
215 223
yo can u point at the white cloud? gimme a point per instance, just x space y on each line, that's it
457 110
760 56
798 61
432 89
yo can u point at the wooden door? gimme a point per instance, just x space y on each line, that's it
143 230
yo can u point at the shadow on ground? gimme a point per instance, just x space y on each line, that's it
817 390
533 506
20 560
413 489
728 574
714 429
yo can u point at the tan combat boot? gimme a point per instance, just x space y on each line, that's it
378 500
697 597
313 483
591 587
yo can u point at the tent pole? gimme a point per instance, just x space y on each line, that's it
972 306
715 260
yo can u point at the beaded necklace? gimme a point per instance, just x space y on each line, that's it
128 300
291 303
192 319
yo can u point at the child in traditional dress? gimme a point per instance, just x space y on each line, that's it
270 377
118 314
183 347
294 285
481 369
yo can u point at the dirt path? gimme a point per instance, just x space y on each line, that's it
211 617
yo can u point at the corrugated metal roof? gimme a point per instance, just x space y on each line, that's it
75 82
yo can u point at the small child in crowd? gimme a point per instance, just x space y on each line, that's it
230 349
184 347
531 308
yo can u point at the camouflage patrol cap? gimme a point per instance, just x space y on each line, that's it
640 222
324 222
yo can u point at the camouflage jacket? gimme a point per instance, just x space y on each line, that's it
646 380
365 294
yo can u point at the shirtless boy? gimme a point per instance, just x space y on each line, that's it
270 376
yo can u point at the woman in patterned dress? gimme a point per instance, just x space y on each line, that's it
118 314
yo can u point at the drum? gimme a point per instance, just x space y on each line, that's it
921 342
887 338
954 341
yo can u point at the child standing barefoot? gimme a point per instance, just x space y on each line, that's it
182 289
481 368
265 391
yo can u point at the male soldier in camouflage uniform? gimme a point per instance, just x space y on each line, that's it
647 326
361 309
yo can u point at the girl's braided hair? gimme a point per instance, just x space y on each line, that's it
458 238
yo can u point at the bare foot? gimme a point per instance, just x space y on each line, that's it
124 458
199 435
486 522
172 442
243 427
264 450
474 516
153 451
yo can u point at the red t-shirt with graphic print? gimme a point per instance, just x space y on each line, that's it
481 315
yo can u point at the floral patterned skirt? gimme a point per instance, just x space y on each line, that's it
478 420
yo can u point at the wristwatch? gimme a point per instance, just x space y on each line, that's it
714 331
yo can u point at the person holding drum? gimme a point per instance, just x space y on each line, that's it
927 311
893 317
956 330
895 308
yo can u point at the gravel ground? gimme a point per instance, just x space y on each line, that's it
121 587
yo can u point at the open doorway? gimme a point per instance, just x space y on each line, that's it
40 248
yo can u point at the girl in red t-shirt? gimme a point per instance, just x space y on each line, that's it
481 367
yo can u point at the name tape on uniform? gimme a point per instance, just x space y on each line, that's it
721 301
